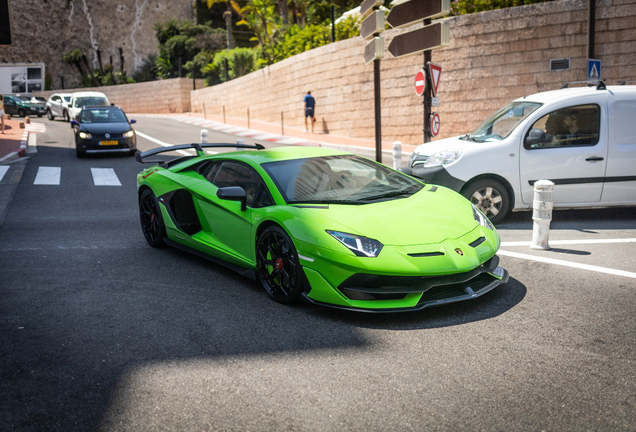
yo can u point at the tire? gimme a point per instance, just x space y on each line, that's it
21 113
277 265
151 221
489 196
49 115
66 117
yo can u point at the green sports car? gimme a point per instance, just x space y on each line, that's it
322 225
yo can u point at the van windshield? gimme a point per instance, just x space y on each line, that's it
499 125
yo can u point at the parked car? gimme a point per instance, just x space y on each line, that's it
82 99
103 129
582 139
58 105
36 107
16 106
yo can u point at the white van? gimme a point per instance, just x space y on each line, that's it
583 139
82 99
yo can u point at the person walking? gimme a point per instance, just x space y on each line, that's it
309 104
2 112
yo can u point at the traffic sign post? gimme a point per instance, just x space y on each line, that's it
374 50
434 72
373 24
420 83
427 38
434 124
593 70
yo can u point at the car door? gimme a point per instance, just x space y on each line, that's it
230 228
10 106
56 105
574 155
620 177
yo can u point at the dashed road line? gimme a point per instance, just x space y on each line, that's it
48 176
3 171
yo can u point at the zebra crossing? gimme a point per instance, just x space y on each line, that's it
52 176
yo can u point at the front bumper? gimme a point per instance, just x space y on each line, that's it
124 145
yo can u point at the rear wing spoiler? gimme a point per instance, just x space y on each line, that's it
197 146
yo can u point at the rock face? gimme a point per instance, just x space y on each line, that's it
45 30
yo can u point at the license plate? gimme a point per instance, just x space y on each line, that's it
108 143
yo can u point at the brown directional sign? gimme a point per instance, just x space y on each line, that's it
367 6
414 11
372 24
374 50
423 39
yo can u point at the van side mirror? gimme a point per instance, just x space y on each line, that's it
233 193
535 136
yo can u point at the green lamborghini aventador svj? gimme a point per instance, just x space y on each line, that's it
322 225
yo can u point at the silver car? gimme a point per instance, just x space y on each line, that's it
58 105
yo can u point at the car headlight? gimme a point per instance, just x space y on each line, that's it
85 135
361 246
129 134
481 218
442 158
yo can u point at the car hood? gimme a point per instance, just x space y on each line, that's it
453 143
424 218
102 128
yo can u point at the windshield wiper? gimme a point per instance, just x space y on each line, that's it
467 137
408 191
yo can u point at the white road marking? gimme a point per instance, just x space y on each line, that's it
161 143
48 176
105 177
567 264
572 242
3 171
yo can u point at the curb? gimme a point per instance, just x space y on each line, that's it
24 145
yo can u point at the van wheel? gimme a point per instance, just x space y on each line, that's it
489 196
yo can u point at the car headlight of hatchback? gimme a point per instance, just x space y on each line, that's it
482 219
442 158
129 134
361 246
85 135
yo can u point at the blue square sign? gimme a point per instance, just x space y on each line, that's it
593 70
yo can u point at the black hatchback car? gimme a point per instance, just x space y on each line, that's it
100 129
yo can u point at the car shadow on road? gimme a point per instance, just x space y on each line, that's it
583 220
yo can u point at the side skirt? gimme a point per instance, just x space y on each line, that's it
240 270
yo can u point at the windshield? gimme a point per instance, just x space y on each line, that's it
346 179
67 98
107 115
499 125
25 98
90 101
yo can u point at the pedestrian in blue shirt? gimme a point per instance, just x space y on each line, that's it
309 104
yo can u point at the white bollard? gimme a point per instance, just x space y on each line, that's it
397 154
241 142
542 214
204 135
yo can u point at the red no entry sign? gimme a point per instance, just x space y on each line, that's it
435 124
420 82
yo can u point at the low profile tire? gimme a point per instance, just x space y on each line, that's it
278 267
49 115
151 221
489 196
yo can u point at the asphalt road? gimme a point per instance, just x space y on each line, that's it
98 331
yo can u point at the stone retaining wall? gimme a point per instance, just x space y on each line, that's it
153 97
493 57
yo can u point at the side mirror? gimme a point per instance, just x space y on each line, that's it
535 136
233 193
133 121
73 123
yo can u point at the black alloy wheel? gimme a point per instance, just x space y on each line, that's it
489 196
49 115
151 221
277 265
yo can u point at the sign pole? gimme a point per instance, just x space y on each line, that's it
378 116
427 93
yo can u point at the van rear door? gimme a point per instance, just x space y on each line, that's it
620 177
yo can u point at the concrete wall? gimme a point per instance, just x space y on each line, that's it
163 96
493 57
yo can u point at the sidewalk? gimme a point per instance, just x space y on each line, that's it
13 143
287 135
